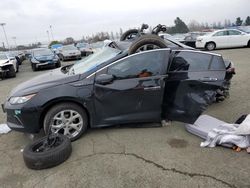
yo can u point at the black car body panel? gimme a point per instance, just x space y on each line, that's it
144 87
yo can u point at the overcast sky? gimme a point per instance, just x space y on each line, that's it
28 20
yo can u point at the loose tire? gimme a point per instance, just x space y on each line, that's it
210 46
11 73
130 34
68 119
147 42
38 157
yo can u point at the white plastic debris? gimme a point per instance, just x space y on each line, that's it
4 129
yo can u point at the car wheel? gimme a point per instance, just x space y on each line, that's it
129 35
146 42
210 46
17 67
58 64
47 152
33 66
61 57
11 73
66 118
248 44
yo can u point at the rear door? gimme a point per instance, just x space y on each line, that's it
193 80
135 94
221 39
237 38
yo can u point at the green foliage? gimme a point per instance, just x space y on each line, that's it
54 42
180 27
238 21
247 22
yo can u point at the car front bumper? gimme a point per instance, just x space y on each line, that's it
22 117
46 64
75 56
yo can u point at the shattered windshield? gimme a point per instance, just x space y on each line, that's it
94 60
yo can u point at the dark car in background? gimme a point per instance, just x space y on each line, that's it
113 86
44 58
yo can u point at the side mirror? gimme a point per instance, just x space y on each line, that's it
104 79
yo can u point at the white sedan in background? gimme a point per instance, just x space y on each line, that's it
225 38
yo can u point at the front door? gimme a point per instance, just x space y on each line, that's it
193 80
136 92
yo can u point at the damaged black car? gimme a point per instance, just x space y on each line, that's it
115 86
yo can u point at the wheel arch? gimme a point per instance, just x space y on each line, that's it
47 106
210 42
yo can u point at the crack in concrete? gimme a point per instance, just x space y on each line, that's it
116 142
173 170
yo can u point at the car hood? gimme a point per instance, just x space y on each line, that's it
3 61
50 79
70 51
45 57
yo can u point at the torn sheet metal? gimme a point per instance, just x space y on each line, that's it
185 100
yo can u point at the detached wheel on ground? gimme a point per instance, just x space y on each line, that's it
210 46
147 42
66 118
46 153
129 35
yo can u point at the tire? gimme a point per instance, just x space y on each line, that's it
17 67
48 157
61 57
66 123
129 34
146 42
58 64
210 46
248 44
11 73
33 66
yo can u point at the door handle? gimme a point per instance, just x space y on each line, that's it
152 88
209 79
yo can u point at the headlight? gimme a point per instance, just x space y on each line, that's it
20 100
35 60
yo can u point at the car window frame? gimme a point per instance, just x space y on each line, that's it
215 34
234 31
161 69
104 69
209 66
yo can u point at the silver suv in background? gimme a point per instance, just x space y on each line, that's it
69 52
